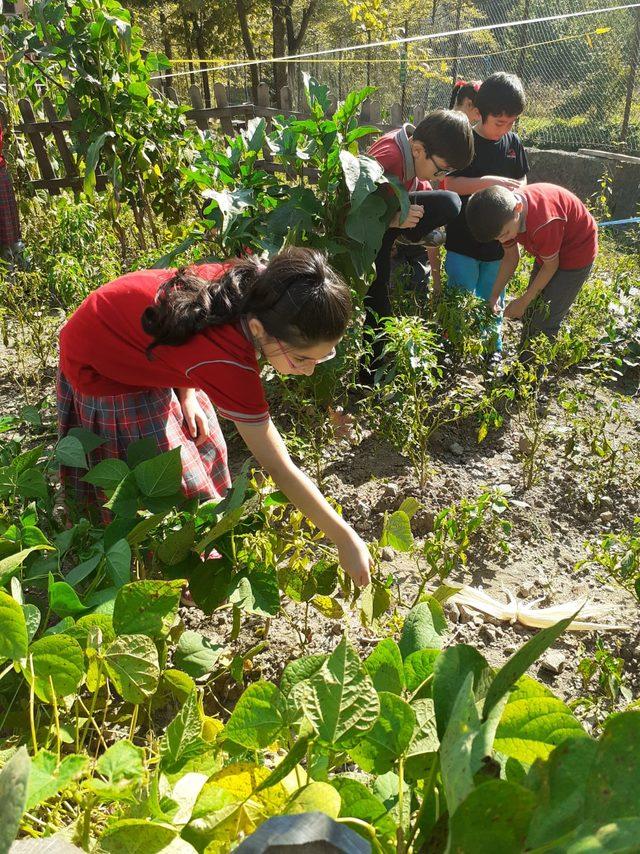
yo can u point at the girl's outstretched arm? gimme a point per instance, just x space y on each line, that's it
266 445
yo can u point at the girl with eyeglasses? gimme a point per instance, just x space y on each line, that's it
153 352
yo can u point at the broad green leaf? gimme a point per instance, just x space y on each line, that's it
142 450
424 742
315 797
493 818
102 601
358 802
84 569
520 662
450 670
299 670
31 484
118 563
328 607
613 788
209 583
196 654
419 667
14 638
60 628
89 626
55 666
259 718
397 532
177 545
534 722
562 782
147 607
63 599
423 628
107 474
410 506
256 593
9 566
69 452
384 666
125 499
618 837
140 836
27 459
14 780
89 440
178 683
132 665
32 618
457 745
136 535
48 777
122 762
340 700
388 738
183 733
387 788
161 476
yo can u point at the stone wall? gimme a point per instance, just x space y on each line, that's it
581 173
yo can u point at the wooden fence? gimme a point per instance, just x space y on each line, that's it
49 134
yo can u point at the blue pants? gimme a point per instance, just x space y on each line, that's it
477 277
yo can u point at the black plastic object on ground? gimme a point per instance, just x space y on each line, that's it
308 833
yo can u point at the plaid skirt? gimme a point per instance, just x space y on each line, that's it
9 220
124 418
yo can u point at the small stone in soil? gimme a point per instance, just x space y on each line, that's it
456 448
387 553
607 516
553 661
509 649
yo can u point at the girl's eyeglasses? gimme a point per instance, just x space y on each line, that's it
302 361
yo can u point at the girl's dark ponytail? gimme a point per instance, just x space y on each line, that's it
186 304
463 89
297 297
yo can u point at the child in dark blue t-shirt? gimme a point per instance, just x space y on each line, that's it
500 159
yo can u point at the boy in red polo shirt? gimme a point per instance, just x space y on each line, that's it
442 142
556 228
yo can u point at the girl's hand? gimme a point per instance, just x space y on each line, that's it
355 559
196 420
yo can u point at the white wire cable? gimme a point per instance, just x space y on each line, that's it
405 40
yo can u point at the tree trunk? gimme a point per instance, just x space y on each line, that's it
279 46
248 46
456 43
166 41
202 54
188 48
631 78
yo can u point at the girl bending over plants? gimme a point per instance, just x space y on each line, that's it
151 353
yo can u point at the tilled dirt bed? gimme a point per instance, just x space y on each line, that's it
549 531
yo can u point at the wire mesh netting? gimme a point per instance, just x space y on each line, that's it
579 73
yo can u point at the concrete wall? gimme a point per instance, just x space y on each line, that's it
581 174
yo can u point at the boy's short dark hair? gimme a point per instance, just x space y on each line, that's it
447 134
488 211
501 94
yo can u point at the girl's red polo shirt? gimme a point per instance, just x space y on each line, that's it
103 350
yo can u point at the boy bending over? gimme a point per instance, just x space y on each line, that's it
556 228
